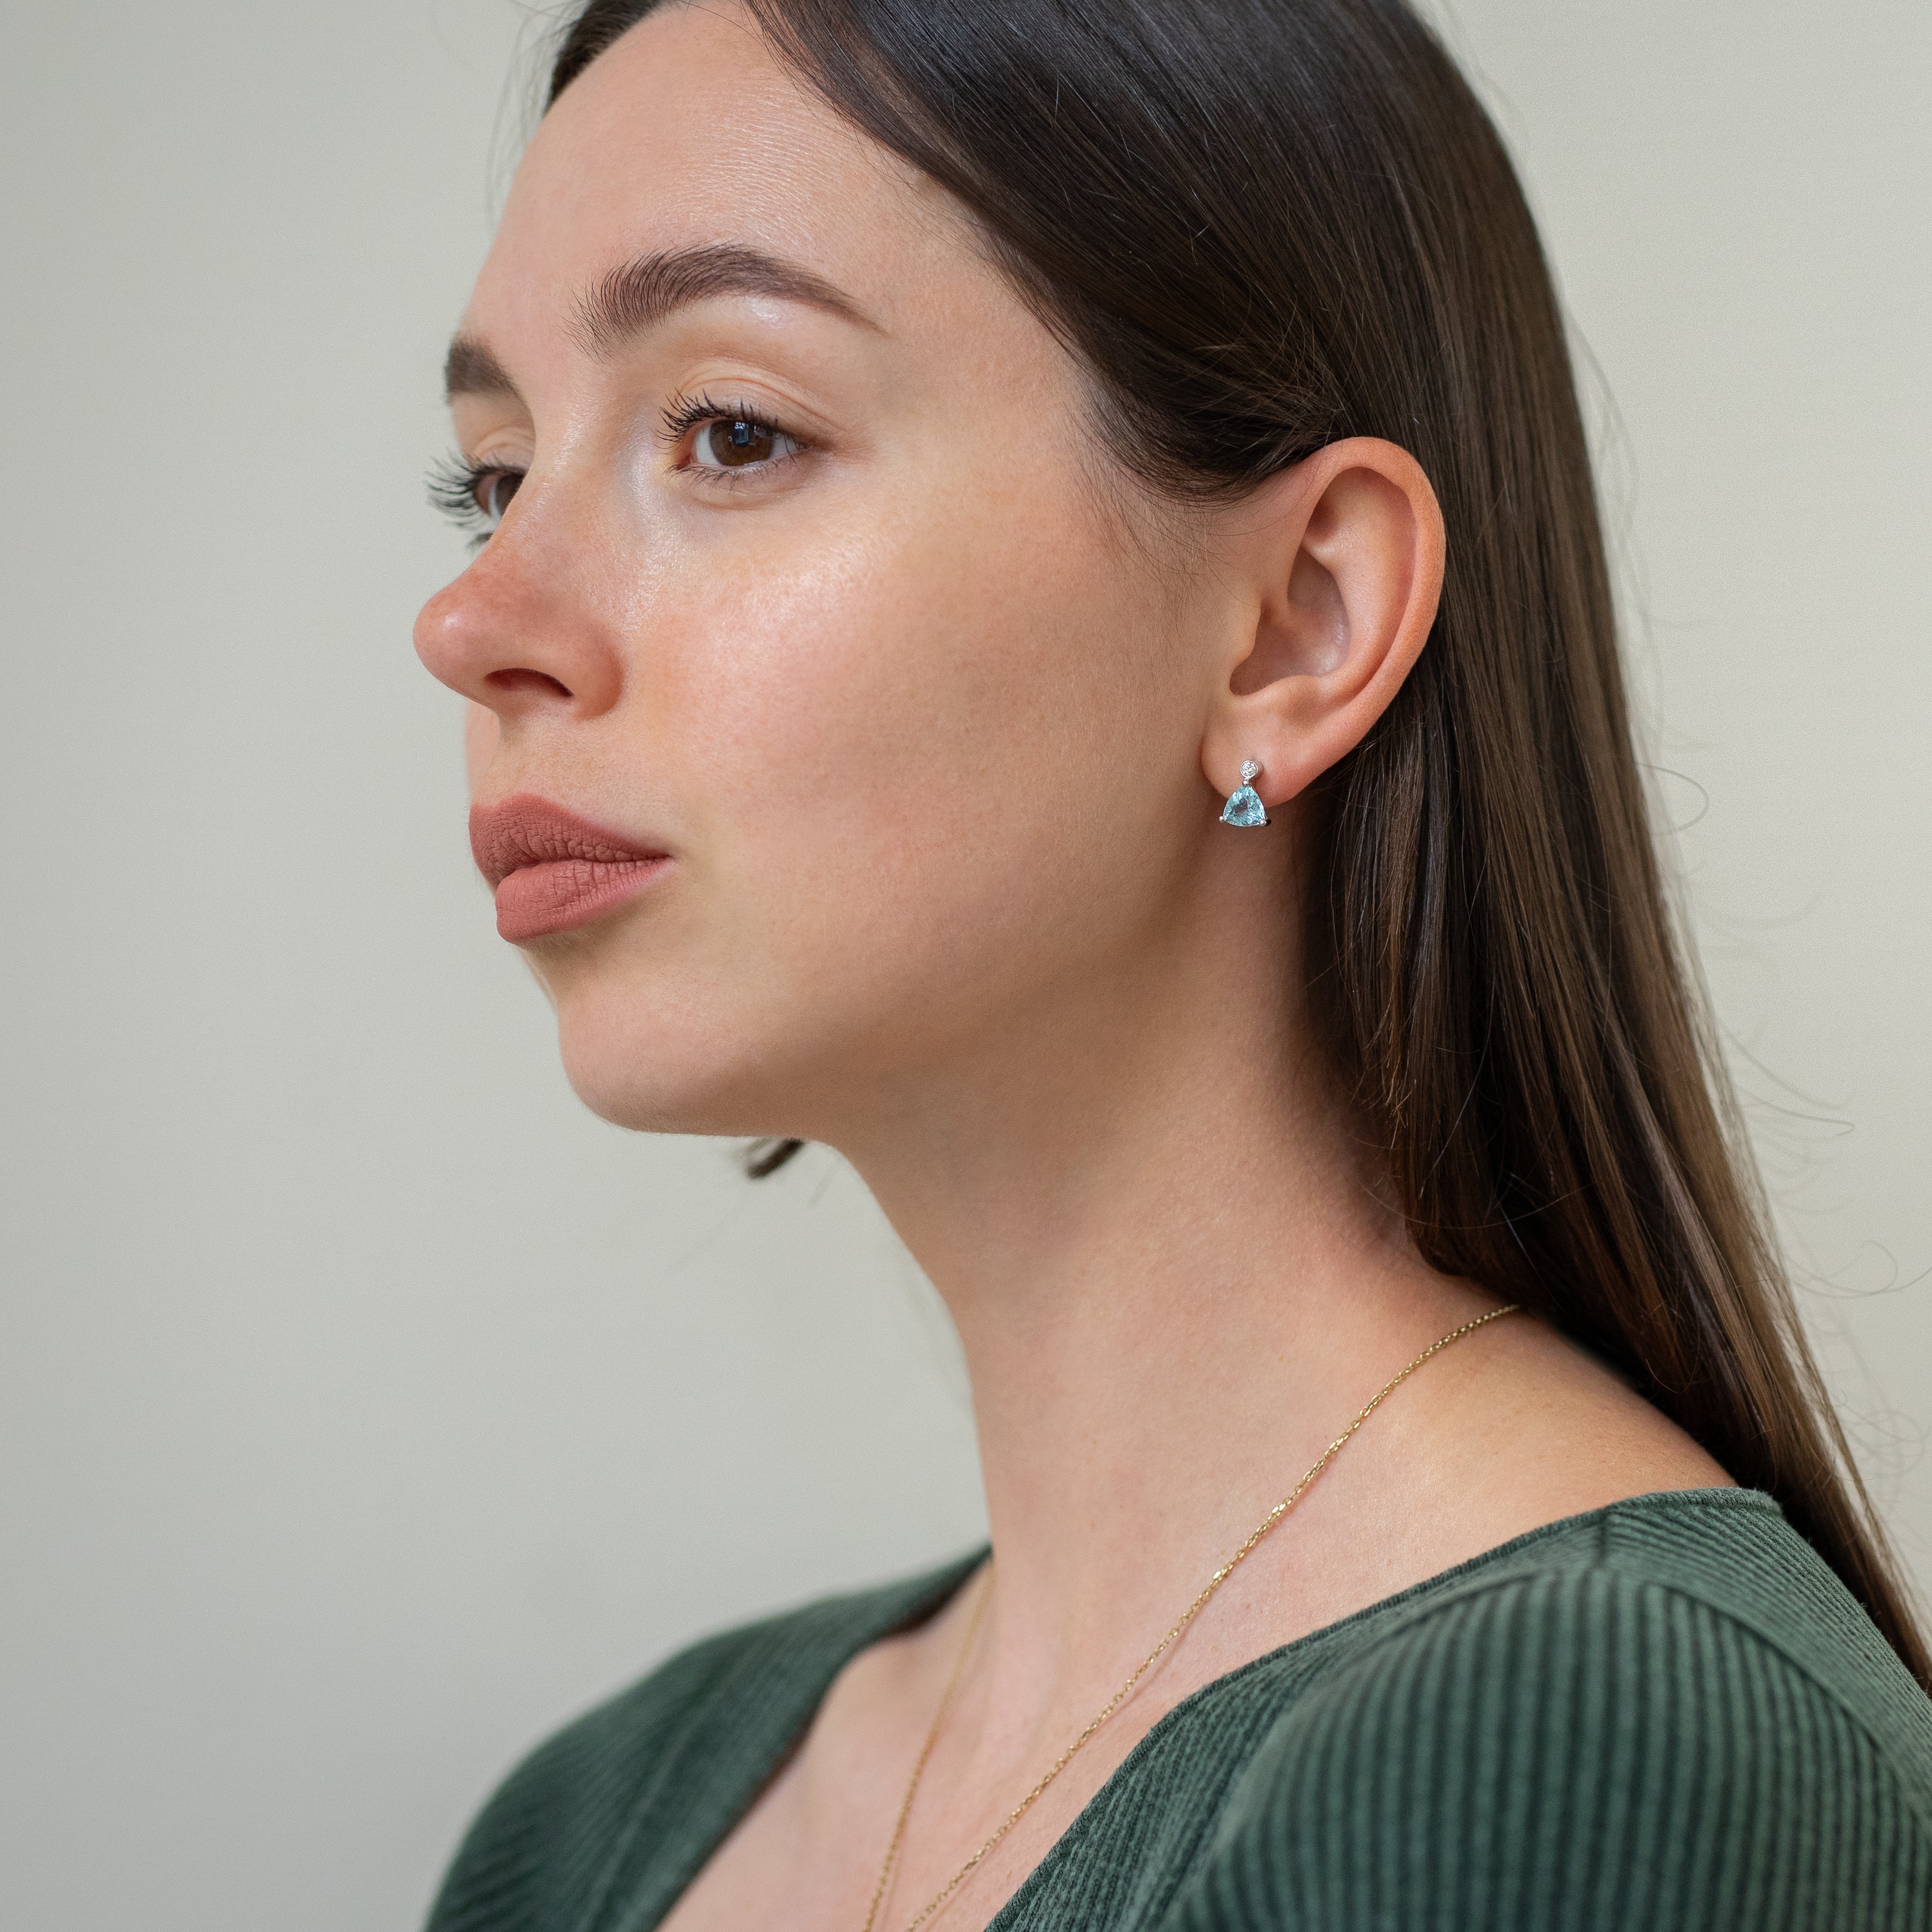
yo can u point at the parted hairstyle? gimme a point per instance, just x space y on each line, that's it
1266 225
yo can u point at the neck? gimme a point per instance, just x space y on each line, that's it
1173 1277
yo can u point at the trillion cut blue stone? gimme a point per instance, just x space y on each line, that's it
1243 808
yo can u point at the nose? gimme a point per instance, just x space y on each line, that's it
518 633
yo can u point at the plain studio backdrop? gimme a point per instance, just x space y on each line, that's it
366 1406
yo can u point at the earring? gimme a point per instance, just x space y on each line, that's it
1244 805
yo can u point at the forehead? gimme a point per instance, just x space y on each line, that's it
687 133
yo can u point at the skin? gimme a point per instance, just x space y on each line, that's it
935 717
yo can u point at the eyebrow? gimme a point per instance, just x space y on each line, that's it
470 369
639 295
642 293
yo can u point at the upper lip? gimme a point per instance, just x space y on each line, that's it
524 830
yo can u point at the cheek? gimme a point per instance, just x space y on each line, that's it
923 780
952 747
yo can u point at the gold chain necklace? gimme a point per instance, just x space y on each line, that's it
1120 1696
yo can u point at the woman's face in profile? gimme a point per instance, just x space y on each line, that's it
813 576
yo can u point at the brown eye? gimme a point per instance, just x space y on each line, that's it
735 442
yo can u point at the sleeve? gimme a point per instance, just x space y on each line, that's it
1583 1751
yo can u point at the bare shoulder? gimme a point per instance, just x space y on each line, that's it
1571 1424
1512 1430
1529 1428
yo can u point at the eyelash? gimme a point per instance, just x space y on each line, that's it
453 485
683 414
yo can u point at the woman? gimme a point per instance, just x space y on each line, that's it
1040 619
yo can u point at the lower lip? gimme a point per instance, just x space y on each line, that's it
562 894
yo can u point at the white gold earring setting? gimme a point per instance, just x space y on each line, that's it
1244 805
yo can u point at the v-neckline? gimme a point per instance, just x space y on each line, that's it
905 1607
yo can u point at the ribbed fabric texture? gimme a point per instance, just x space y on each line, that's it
1666 1716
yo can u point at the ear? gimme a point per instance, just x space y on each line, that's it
1338 564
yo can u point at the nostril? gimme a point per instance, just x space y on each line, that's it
538 683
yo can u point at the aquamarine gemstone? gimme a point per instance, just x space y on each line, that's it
1243 808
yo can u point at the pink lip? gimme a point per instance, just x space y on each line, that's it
552 870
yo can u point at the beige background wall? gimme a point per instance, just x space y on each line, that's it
365 1406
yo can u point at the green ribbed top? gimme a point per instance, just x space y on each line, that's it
1665 1714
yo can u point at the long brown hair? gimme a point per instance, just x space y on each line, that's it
1266 225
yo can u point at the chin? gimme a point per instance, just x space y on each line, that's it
661 1068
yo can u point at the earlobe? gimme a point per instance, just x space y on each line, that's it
1342 559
